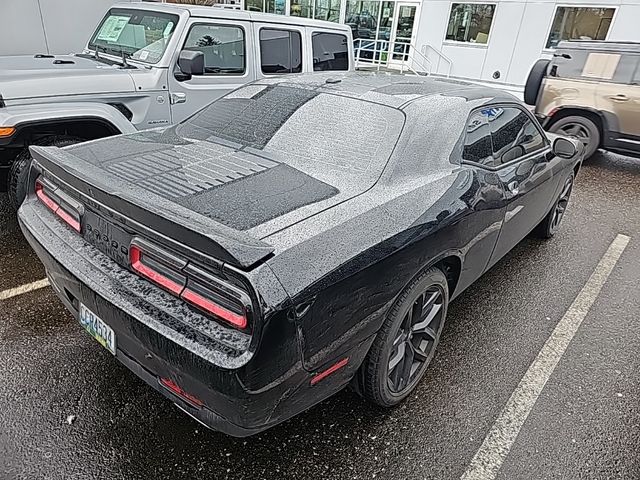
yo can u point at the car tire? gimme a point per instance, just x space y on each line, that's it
580 128
397 344
534 81
19 173
551 223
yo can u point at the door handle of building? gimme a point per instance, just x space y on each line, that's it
618 98
178 98
513 188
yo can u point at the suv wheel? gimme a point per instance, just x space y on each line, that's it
580 128
19 173
406 343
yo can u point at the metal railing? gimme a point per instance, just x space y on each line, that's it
426 47
400 54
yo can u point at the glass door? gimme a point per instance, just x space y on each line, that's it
403 33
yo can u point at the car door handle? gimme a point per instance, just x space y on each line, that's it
618 98
514 188
178 98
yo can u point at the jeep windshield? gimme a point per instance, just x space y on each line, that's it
142 35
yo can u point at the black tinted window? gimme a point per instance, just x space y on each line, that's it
222 45
330 52
280 51
513 134
477 145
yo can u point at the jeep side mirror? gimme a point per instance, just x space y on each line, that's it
191 62
564 148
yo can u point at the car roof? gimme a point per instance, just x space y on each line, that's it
199 11
618 47
393 90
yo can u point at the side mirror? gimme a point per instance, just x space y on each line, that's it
564 148
191 62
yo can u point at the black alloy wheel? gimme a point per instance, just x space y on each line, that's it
415 340
406 343
582 129
561 205
551 223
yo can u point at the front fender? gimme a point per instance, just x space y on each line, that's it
20 116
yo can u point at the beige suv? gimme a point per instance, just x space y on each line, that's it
590 90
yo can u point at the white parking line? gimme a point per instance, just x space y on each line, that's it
29 287
489 458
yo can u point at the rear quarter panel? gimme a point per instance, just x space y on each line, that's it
344 280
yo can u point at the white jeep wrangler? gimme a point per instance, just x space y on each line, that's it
149 65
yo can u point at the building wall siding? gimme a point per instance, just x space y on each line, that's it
48 26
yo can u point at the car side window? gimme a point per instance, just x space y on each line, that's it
477 144
280 51
223 47
330 52
513 134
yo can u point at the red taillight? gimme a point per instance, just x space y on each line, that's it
176 389
135 256
199 301
41 193
190 283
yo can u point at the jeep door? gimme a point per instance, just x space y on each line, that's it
229 63
618 97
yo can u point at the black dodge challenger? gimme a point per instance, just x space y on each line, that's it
295 236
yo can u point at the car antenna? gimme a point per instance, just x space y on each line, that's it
95 53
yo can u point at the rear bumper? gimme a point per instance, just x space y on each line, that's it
218 378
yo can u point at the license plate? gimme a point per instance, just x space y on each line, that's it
99 330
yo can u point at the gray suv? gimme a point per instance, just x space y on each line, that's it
150 65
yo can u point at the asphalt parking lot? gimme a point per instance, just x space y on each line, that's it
69 410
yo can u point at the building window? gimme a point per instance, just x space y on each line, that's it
330 52
302 8
327 10
268 6
280 51
470 22
580 23
362 17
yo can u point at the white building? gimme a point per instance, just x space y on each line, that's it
48 26
492 41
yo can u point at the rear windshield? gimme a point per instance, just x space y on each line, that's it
302 127
139 34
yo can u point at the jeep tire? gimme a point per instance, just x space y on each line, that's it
19 173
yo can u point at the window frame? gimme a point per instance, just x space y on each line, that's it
459 43
314 32
283 28
216 75
615 8
546 148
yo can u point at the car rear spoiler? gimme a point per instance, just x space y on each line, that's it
153 211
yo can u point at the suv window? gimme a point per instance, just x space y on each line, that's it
280 51
590 65
330 52
477 144
223 47
513 134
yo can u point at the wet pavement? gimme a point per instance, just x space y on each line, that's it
68 409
